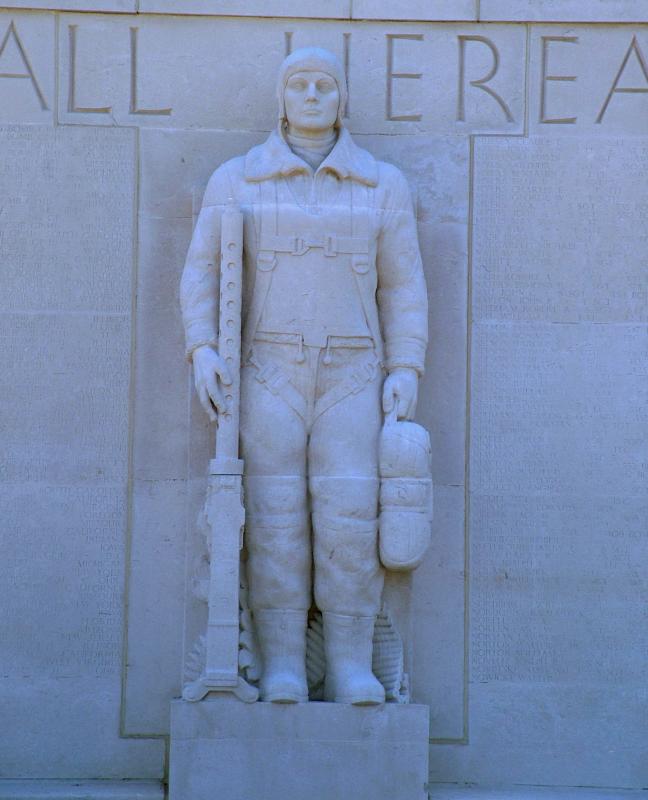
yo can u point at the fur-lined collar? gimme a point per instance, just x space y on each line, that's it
274 157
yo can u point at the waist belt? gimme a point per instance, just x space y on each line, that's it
356 342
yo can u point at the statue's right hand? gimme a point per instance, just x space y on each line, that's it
210 370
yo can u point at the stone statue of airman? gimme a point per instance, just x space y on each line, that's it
334 339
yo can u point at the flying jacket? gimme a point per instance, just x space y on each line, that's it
393 269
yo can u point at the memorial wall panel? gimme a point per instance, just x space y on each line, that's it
558 476
330 9
433 10
563 11
103 6
65 318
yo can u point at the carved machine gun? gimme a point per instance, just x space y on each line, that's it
224 507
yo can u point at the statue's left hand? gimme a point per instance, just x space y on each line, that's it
400 390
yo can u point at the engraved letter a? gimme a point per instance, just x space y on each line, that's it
12 33
634 48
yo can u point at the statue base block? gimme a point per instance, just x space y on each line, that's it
223 748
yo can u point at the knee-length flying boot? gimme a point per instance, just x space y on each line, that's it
348 643
348 584
282 638
277 537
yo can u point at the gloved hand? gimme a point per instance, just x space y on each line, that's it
210 371
400 392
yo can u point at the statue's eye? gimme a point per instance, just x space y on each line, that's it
325 86
299 84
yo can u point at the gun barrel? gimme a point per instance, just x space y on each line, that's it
229 334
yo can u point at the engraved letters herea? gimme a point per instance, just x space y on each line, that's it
305 311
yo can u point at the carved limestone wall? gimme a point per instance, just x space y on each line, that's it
522 128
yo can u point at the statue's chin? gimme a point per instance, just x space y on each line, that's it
312 125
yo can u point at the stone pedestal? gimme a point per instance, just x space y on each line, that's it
223 748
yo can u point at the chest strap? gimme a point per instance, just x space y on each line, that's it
331 244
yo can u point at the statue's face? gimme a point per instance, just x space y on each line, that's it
311 100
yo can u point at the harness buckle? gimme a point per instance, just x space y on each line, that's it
300 246
330 248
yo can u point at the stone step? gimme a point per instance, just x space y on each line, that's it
81 790
439 791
